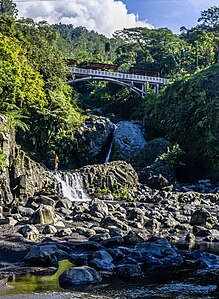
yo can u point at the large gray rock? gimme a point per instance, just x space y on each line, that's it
92 138
128 141
79 276
114 176
99 206
43 215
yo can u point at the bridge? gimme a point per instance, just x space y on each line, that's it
136 83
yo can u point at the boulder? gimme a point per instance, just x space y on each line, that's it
98 206
151 151
199 217
29 232
154 249
114 176
113 221
128 141
79 276
93 139
101 265
45 255
43 215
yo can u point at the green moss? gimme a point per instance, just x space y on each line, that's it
2 160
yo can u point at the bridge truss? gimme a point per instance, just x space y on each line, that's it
136 83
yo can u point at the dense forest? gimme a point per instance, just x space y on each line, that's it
46 111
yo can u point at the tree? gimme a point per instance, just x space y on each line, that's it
210 17
7 7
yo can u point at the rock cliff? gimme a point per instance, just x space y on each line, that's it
20 177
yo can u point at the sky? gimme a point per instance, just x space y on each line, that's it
106 16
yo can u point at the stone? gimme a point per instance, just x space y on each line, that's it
25 211
49 230
97 205
101 265
157 250
116 176
43 215
87 232
90 246
93 140
99 237
199 217
45 255
65 232
113 221
79 276
29 232
128 271
79 259
128 141
113 242
64 203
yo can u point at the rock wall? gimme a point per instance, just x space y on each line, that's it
20 177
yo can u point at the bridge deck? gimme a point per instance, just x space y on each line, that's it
118 76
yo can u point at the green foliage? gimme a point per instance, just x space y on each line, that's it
173 156
7 7
187 113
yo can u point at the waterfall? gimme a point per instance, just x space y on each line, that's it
110 148
71 186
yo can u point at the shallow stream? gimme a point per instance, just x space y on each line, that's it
150 287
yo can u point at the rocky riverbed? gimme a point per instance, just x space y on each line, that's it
165 232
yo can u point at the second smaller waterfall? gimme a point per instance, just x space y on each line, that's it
110 148
71 186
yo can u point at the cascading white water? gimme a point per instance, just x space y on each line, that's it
110 148
71 186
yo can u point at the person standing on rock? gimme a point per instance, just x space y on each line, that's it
56 163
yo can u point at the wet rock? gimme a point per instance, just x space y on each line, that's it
65 232
133 238
128 271
79 276
101 265
87 232
99 237
29 232
79 259
25 211
200 231
45 255
43 215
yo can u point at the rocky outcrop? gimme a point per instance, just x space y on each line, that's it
112 176
93 140
20 177
128 141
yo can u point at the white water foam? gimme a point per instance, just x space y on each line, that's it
71 186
